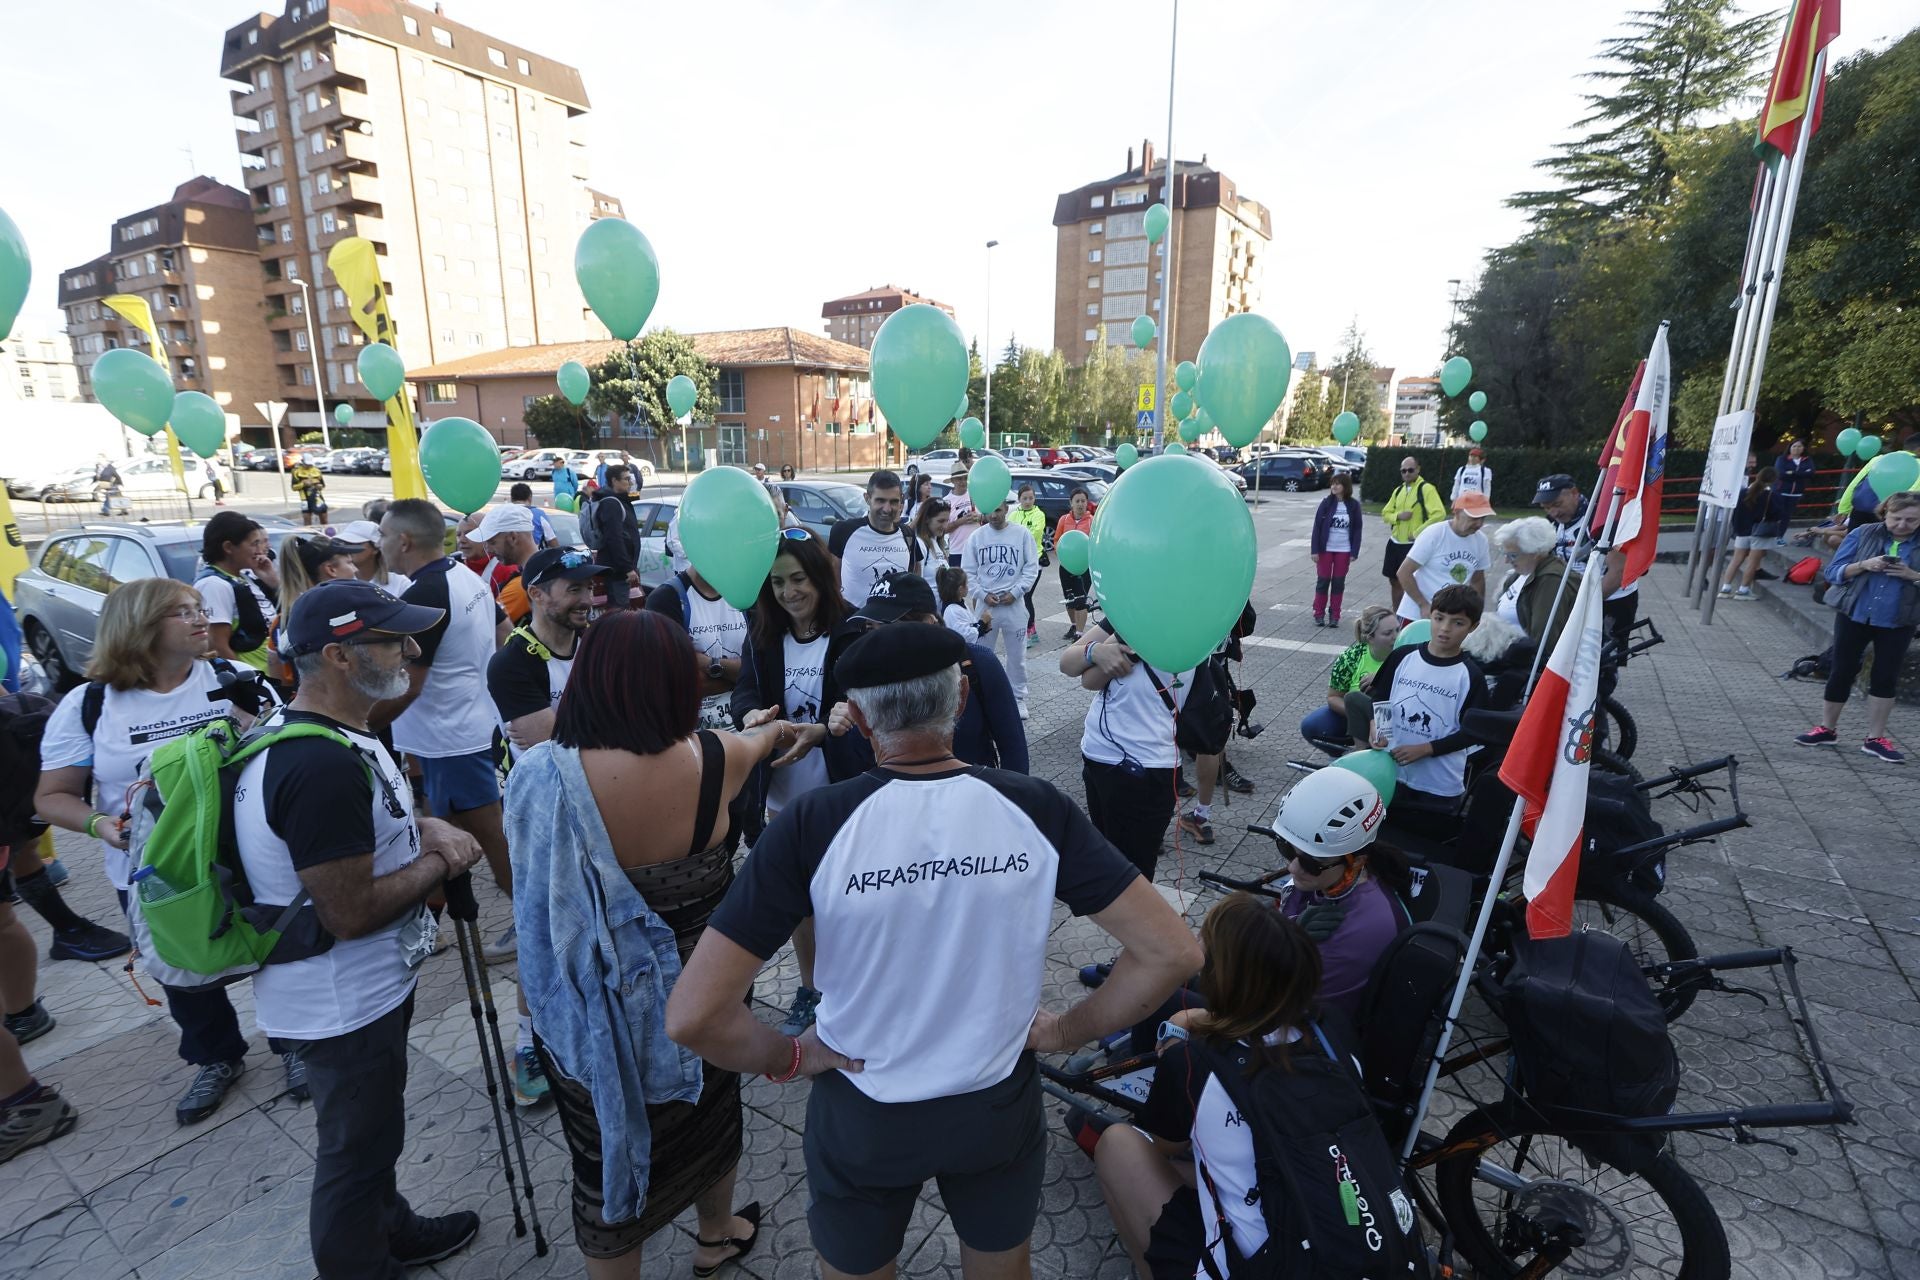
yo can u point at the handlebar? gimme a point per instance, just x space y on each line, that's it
1765 958
1682 774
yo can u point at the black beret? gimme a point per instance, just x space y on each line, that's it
903 651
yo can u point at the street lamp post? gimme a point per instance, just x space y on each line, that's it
313 350
986 357
1453 314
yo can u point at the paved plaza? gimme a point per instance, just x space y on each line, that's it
1828 868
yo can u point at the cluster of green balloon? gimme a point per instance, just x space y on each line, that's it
1346 427
682 392
619 275
919 363
730 531
1867 448
342 413
1455 374
1419 631
1157 221
972 434
1173 606
1175 449
382 372
1071 548
1847 441
988 483
1244 366
1377 767
1477 401
134 388
1144 331
574 382
461 463
1126 455
1478 431
1190 430
16 273
1181 405
199 422
1185 374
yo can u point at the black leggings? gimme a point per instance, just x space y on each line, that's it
1075 586
1850 641
1030 591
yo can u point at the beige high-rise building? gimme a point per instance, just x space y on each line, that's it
194 261
36 363
855 318
1106 274
460 156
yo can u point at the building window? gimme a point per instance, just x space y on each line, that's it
442 299
273 156
1093 255
413 27
306 376
1092 335
1093 308
280 194
313 101
516 276
442 392
544 279
457 194
731 386
300 339
476 339
461 231
419 106
467 267
296 304
525 70
1099 202
455 156
1130 195
306 59
1096 228
443 37
496 57
1093 282
450 117
510 207
536 210
439 262
435 226
327 221
540 244
470 304
431 186
269 118
348 375
317 143
503 132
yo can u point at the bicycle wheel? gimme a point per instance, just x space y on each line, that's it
1611 762
1614 728
1509 1187
1652 933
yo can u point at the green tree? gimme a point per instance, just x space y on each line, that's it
1310 417
630 387
1351 379
557 424
1672 67
1100 393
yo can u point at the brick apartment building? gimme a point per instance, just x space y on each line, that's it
855 318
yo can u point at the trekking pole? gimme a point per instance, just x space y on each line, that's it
465 913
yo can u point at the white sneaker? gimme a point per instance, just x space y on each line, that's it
1726 589
1022 704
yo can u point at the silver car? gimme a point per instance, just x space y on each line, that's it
59 597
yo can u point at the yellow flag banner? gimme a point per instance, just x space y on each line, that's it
357 270
134 310
13 547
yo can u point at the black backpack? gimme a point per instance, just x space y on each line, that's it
23 722
249 624
1204 723
1589 1039
1329 1186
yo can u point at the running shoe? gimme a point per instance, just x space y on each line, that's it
1021 704
1073 633
504 947
529 1078
32 1024
1744 593
210 1085
1185 789
1234 780
1818 736
56 872
89 942
42 1118
432 1239
1883 749
800 1016
1196 826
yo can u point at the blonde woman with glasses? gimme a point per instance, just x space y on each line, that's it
148 682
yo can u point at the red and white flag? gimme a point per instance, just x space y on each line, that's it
1547 764
1637 464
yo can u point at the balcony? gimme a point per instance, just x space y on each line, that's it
340 64
349 191
186 349
353 149
253 141
260 177
280 320
247 102
291 357
347 107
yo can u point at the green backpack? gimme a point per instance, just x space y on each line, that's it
195 913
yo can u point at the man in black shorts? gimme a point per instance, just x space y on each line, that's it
932 948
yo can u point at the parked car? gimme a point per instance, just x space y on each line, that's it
1053 492
1106 472
54 485
940 461
1070 453
1224 454
534 464
655 517
820 504
1289 471
1336 459
59 596
586 462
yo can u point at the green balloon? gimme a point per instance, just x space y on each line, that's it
731 532
1175 450
343 413
1847 441
1125 456
960 410
1173 606
1244 366
1419 631
1143 331
1478 431
988 483
1477 401
1190 430
574 382
681 394
460 462
1185 374
1455 374
619 274
382 372
1181 405
564 502
972 434
1205 420
198 422
1896 472
1346 427
1868 446
134 388
1157 220
1377 767
919 363
1071 548
16 273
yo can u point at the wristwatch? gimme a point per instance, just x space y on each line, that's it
714 670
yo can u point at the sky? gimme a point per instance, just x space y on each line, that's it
779 153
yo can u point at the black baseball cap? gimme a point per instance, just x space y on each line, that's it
890 655
897 595
559 562
1550 487
348 610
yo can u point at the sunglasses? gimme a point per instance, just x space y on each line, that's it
1407 471
1311 865
796 535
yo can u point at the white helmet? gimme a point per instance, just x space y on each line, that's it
1330 813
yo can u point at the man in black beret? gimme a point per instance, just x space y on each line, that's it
931 884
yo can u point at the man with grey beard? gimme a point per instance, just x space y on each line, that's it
326 819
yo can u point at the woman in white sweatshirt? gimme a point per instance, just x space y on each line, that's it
1001 566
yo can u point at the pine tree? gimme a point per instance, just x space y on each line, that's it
1351 379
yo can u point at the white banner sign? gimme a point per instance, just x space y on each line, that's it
1726 471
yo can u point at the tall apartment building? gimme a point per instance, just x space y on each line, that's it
36 363
1106 274
855 318
1414 397
194 260
461 157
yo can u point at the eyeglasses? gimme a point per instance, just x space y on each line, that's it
188 613
1408 471
796 535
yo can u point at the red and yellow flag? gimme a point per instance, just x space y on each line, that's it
1811 26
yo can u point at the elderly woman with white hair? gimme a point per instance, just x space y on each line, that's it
1528 600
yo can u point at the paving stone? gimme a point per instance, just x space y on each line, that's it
72 1242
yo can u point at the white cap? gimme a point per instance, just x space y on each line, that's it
507 518
360 531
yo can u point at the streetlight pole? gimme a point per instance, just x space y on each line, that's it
986 357
1453 315
313 350
1166 250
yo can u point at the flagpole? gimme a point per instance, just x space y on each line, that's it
1749 396
1596 563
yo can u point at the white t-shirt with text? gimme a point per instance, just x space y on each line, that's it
806 676
1445 559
